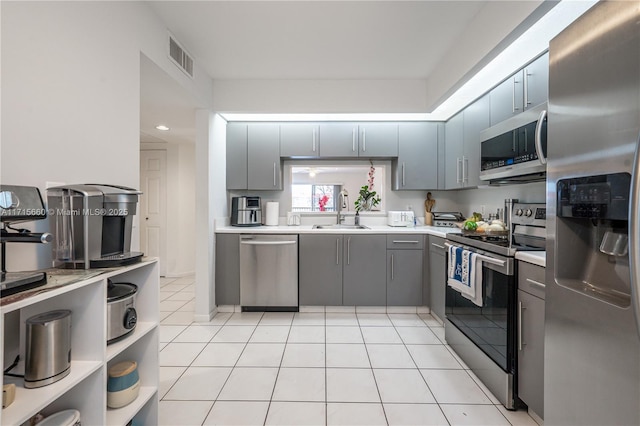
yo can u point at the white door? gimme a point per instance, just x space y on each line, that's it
153 205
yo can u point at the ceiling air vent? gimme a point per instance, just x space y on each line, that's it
180 57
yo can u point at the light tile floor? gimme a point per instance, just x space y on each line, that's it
331 368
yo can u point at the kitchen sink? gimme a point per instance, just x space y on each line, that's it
336 226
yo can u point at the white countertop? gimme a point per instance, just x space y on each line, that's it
438 231
536 257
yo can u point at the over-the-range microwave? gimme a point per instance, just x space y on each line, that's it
515 150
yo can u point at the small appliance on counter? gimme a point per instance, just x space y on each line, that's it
400 218
121 310
48 348
20 204
123 385
92 225
246 211
447 219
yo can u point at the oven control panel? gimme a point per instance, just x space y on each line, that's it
529 214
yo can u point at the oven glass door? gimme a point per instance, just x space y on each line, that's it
492 326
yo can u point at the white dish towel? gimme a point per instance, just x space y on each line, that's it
465 273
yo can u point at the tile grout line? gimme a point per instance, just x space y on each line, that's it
418 368
384 411
278 373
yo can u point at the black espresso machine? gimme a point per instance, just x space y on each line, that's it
20 204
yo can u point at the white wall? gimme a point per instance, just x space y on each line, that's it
71 95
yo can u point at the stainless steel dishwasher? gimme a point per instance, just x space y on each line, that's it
269 272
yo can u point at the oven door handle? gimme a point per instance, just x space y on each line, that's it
484 258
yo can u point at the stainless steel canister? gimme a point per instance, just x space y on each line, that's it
48 348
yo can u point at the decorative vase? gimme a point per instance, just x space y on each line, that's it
367 205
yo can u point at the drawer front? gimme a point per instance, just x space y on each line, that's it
531 279
436 245
405 241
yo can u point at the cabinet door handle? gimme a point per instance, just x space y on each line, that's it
520 309
353 140
349 251
337 251
527 102
513 93
364 140
536 283
391 267
465 171
437 245
406 242
313 142
458 178
403 173
274 173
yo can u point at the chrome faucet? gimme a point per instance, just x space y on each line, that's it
343 203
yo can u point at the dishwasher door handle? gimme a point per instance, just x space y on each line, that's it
267 243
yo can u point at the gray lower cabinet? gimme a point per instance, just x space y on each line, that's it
531 309
236 156
264 167
364 272
437 275
404 277
378 140
299 140
320 264
417 164
227 269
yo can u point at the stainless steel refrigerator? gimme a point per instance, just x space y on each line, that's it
592 343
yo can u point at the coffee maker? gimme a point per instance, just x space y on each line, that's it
246 211
92 224
20 204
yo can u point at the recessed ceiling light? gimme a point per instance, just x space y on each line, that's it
162 127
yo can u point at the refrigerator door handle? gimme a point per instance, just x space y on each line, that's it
538 137
634 229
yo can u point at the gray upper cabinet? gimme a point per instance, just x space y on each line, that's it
507 99
263 157
236 156
525 89
536 82
417 164
299 140
364 270
462 148
476 119
320 263
227 269
378 140
453 151
404 277
437 276
339 140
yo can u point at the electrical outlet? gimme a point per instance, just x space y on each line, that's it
409 207
482 210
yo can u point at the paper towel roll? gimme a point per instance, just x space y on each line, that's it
273 210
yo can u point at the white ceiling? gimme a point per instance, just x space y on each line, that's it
316 40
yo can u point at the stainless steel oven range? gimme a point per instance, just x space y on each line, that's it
485 336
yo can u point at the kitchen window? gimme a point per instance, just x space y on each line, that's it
313 198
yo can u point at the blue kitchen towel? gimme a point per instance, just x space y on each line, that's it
462 274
